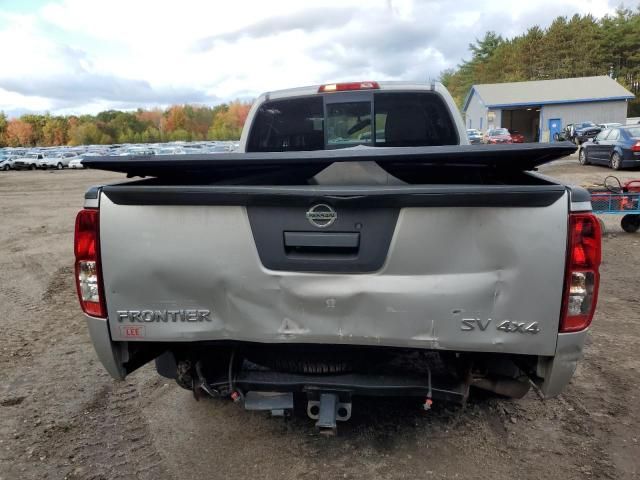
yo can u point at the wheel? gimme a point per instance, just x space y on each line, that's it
582 157
616 161
59 166
32 166
630 223
5 168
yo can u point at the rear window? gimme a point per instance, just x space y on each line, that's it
412 120
398 120
288 125
634 132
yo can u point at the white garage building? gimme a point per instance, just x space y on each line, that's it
538 109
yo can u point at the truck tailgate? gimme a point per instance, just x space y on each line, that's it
477 269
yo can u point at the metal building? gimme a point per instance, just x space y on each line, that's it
538 109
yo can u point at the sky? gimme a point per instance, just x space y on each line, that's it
85 56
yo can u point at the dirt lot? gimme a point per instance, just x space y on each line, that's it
62 416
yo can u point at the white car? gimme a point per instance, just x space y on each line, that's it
6 163
76 162
30 161
59 161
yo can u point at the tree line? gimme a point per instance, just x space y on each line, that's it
179 122
579 46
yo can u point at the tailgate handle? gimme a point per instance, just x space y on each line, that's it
321 242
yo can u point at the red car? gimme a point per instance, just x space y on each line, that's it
516 136
497 135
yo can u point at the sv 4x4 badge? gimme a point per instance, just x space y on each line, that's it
469 324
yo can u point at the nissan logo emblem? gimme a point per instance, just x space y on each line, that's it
321 215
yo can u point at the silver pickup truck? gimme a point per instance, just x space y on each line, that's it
356 245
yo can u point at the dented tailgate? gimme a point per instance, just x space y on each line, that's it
476 274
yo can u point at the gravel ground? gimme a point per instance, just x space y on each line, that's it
62 416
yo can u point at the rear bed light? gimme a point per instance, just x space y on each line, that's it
341 87
88 274
582 274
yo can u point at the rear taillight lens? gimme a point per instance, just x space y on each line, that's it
88 274
582 274
342 87
636 147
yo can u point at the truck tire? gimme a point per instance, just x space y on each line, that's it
630 223
59 166
32 167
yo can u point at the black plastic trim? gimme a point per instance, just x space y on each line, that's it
509 157
375 196
356 242
321 239
93 192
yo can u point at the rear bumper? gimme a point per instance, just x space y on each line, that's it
558 370
107 351
631 159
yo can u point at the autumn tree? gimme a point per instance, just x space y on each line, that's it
179 122
19 133
3 128
55 131
228 124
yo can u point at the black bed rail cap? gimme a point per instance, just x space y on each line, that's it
509 156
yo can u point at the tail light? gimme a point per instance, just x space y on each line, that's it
636 147
341 87
88 274
582 277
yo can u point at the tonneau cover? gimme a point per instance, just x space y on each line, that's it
509 157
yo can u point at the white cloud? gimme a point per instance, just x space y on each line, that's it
82 55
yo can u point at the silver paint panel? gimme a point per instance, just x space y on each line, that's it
444 264
580 206
104 347
558 370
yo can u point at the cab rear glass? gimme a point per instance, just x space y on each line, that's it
392 119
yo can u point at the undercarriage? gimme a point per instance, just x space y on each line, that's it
271 377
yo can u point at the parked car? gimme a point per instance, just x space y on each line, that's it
30 161
497 135
246 287
516 136
60 160
475 136
76 162
615 147
579 133
6 163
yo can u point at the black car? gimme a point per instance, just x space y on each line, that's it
579 133
616 147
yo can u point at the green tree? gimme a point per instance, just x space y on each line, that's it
3 128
